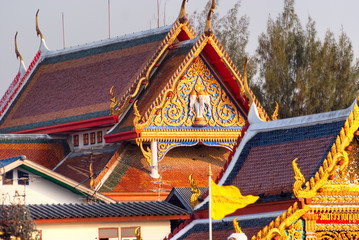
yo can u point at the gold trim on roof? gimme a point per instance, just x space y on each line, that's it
277 227
190 135
118 107
172 84
217 46
335 163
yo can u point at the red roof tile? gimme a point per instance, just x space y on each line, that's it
79 85
175 168
77 166
45 154
270 172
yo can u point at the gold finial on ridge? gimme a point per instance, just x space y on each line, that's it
236 226
275 113
208 30
182 16
138 234
38 32
18 55
195 192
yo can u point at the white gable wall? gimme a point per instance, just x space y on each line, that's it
150 230
39 191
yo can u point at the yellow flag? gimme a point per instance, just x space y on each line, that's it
227 199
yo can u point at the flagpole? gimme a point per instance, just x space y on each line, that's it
210 202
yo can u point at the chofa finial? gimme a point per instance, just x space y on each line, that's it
18 55
208 30
37 25
182 16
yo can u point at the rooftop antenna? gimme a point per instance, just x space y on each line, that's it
158 14
164 14
109 20
63 29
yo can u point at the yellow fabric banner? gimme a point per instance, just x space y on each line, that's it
227 199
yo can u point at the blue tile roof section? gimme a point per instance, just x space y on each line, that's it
284 136
95 210
7 161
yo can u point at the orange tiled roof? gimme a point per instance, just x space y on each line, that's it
45 154
132 172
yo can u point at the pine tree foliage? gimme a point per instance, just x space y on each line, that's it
302 73
232 32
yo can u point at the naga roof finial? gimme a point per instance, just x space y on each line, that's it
18 55
208 30
182 16
38 32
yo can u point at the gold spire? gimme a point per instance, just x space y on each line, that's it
38 32
195 192
208 30
18 55
182 16
275 113
236 226
138 234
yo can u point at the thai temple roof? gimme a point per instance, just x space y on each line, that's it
262 166
162 105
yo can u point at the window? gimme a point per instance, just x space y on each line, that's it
7 178
129 233
99 137
22 178
86 139
93 138
76 140
108 233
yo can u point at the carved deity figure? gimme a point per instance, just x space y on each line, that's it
198 103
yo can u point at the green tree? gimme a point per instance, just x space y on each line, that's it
232 32
15 221
300 72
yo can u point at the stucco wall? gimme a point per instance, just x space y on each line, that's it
90 230
39 191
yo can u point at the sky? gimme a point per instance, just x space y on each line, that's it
87 21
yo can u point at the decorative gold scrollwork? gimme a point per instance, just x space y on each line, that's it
146 153
345 235
176 111
335 164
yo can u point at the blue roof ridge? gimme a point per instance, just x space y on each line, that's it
302 121
101 43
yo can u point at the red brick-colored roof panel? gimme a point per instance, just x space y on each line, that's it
268 169
47 155
79 86
77 167
174 169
